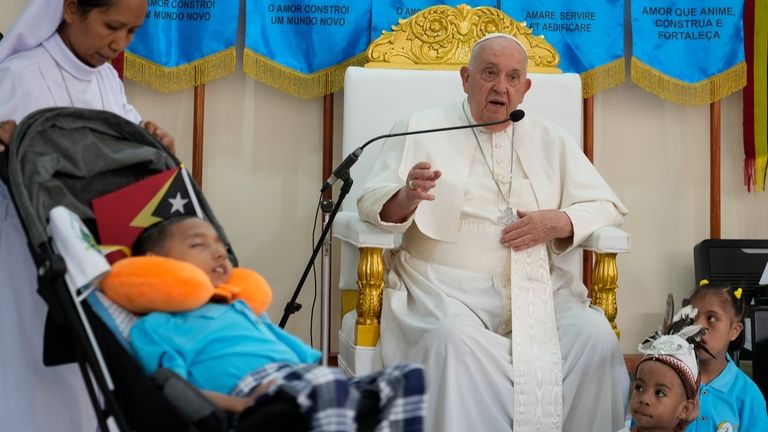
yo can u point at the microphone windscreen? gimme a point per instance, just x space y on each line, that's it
516 115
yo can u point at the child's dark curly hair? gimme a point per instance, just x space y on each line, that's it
153 236
731 297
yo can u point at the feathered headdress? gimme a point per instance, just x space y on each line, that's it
675 344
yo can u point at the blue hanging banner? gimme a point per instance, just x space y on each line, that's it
387 13
183 43
303 47
588 35
690 52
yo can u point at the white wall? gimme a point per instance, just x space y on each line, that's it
656 156
263 161
262 174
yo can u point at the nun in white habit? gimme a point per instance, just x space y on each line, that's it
56 55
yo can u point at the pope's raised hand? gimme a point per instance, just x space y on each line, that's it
421 179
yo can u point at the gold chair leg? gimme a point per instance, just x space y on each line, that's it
605 276
370 282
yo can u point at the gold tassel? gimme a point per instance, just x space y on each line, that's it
295 83
701 93
173 79
602 77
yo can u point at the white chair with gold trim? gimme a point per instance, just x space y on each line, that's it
413 68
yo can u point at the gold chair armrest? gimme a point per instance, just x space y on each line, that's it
605 276
370 272
370 284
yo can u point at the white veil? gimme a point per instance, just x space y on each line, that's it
37 22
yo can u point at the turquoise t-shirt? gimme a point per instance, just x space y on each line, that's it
215 346
732 399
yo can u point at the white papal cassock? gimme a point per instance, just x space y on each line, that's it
505 336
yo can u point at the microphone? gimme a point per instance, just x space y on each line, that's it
342 171
516 115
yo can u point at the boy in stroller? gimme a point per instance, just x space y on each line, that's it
235 354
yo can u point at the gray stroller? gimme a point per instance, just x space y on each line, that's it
67 157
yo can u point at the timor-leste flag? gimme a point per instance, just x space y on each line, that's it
122 215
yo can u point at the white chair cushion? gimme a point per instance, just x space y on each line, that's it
348 227
608 240
355 234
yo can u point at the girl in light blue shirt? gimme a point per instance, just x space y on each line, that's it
729 400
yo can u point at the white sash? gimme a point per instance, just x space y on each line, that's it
538 368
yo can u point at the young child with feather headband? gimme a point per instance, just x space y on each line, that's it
664 395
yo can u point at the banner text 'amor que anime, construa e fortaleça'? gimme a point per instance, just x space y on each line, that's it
690 52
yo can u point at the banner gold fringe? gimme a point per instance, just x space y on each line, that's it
676 91
760 67
173 79
602 78
295 83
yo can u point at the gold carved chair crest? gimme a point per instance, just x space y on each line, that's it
441 37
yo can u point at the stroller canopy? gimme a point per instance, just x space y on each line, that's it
69 156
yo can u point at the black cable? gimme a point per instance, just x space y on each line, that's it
314 276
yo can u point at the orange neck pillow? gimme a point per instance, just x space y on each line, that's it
147 284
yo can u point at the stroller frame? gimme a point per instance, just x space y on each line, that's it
72 328
97 152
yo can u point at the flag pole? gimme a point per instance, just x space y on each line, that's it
325 282
197 134
589 151
714 170
327 140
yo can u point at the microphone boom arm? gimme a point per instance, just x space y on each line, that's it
342 171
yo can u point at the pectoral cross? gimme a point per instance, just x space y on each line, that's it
508 216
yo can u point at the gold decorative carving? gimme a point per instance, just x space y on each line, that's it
441 37
348 301
370 282
605 276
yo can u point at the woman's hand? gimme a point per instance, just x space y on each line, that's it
6 132
156 131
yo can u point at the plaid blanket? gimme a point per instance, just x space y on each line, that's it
329 399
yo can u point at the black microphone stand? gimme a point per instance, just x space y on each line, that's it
292 306
342 173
